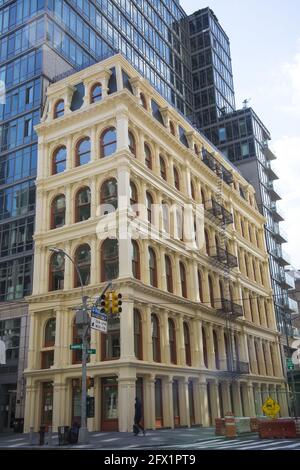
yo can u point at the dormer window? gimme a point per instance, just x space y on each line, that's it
96 93
59 109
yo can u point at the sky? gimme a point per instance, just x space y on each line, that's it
265 51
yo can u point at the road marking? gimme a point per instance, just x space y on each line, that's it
267 444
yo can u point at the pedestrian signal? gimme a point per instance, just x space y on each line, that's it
116 302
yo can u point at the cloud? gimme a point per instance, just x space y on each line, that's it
290 81
287 167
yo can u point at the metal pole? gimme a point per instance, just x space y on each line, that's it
83 436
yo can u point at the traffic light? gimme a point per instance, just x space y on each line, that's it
89 382
116 302
105 303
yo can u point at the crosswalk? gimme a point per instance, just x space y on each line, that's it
221 443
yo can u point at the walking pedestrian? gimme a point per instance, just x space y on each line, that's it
138 417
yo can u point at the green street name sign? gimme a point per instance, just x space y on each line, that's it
91 351
75 346
289 364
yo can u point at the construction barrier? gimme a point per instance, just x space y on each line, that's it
230 426
297 424
220 426
277 428
242 425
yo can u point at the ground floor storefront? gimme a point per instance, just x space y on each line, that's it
169 400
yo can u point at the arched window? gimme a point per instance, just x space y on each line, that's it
131 143
109 260
172 341
136 271
83 151
200 286
96 93
109 196
176 178
57 272
187 344
162 165
203 198
206 236
58 211
83 205
138 341
83 262
149 199
49 339
59 160
211 291
172 128
152 267
204 342
216 348
148 156
193 190
59 109
183 279
133 197
169 274
108 142
143 101
165 217
155 338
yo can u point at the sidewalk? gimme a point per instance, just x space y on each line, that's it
116 440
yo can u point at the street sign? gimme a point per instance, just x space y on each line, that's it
91 351
270 407
95 312
98 324
289 363
76 346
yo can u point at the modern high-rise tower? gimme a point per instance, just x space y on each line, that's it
242 137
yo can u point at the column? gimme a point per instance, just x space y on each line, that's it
203 401
269 365
164 337
181 359
125 248
222 349
248 398
206 296
255 315
187 174
253 361
70 156
197 343
59 334
95 144
69 268
167 397
210 348
214 400
95 271
163 279
195 294
226 397
122 128
281 392
261 358
69 204
246 305
184 405
31 405
149 399
147 334
59 402
237 399
127 328
126 399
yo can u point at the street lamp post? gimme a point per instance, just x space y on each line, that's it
83 320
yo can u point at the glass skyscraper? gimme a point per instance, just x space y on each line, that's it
241 136
41 39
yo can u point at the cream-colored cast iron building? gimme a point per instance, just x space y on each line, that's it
197 335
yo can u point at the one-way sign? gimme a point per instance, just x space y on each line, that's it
95 312
99 324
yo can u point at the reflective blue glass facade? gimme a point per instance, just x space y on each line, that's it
41 39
